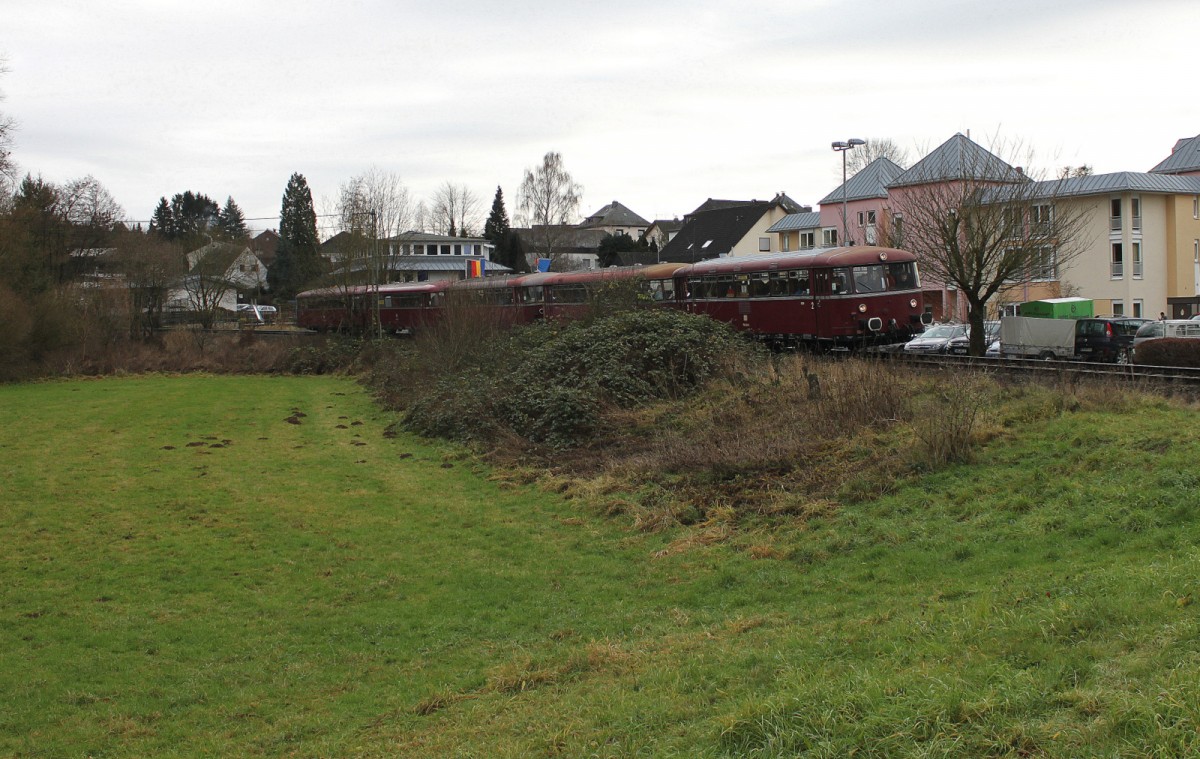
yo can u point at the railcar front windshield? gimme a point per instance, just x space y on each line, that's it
903 276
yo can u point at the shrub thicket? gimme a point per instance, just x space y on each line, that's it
550 382
1169 351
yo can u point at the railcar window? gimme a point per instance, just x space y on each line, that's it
839 282
902 276
869 279
800 282
568 294
661 289
760 285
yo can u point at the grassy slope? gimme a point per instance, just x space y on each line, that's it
303 589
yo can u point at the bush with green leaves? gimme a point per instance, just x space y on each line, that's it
550 382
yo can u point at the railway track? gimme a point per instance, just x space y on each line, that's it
1135 373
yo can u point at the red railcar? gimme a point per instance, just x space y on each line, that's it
831 298
827 298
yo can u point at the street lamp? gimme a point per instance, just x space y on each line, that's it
843 147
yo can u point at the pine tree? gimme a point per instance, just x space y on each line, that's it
498 232
232 222
297 260
162 222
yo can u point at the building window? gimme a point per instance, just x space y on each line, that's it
1118 308
445 250
860 218
1137 260
1043 265
1137 309
1009 309
808 240
764 244
1135 213
1012 222
1117 262
829 238
1042 218
898 229
1196 207
1114 214
870 218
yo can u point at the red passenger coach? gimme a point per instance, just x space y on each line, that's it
832 298
823 299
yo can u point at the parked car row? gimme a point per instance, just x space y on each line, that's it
1103 338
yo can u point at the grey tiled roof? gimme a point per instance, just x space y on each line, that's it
957 158
1184 157
794 221
871 182
615 215
1121 181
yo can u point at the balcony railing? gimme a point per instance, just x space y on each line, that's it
1137 223
1137 269
1114 222
1118 269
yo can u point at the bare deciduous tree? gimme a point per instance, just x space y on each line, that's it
455 210
150 265
376 211
985 228
876 147
549 199
8 169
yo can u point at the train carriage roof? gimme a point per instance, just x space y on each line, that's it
858 255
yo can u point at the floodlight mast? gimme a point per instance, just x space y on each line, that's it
843 147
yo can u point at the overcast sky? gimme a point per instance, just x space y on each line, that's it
656 103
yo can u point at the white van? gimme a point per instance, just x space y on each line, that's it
1168 328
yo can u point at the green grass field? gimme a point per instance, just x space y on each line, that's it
251 566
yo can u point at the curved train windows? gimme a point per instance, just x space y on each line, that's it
902 276
869 279
839 281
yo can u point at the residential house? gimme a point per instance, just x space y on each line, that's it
859 207
660 232
615 218
727 228
410 257
220 275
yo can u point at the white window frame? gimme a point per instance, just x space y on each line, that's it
1118 308
807 240
1137 259
764 245
1116 261
1138 309
829 237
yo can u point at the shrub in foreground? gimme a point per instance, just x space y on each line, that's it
1169 351
549 382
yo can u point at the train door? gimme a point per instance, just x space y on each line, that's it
821 279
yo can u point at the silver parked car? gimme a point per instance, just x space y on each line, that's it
935 339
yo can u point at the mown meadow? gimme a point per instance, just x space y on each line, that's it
267 566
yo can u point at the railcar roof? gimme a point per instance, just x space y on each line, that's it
652 271
857 255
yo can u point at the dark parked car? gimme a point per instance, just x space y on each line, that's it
961 345
1106 338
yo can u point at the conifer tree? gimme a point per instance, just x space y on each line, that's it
297 259
232 222
162 222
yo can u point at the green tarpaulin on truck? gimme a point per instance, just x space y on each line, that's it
1058 308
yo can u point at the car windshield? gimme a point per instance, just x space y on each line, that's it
942 330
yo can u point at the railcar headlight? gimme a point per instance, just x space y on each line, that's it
862 308
913 303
